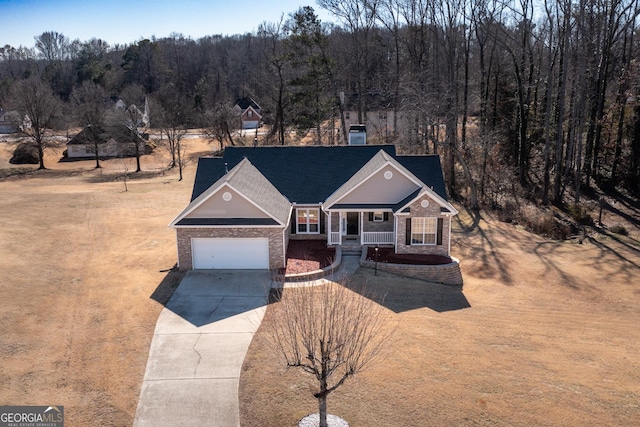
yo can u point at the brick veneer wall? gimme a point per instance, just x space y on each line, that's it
275 236
447 274
433 210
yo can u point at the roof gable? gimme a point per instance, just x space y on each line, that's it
246 102
372 177
227 202
247 181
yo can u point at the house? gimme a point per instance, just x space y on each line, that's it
249 112
378 116
247 205
9 121
110 145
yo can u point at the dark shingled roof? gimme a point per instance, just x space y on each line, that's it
246 102
310 174
428 170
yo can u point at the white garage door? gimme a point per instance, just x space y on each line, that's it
230 253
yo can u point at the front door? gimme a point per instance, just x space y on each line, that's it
353 228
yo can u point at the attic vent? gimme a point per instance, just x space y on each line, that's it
226 167
388 175
227 196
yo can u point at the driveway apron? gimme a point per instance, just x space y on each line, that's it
198 348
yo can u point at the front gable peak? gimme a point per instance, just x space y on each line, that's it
382 180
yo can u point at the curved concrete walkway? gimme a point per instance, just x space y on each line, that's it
198 348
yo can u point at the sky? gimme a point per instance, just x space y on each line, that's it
128 21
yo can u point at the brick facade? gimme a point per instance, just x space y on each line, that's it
417 211
277 240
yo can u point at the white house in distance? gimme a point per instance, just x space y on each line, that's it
9 121
249 112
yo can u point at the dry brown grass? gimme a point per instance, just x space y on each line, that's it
544 333
550 337
80 261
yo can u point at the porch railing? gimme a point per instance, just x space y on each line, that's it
377 238
334 238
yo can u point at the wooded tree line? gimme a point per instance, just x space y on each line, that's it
539 98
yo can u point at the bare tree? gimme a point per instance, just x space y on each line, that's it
174 114
329 332
221 121
90 101
181 157
38 106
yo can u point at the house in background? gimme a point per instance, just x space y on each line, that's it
247 205
379 114
249 112
9 121
82 145
113 141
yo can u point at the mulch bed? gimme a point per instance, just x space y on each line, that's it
387 255
304 256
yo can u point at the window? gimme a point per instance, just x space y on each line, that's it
382 115
424 231
347 116
250 113
308 221
378 217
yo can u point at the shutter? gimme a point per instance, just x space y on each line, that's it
370 216
408 232
439 237
294 219
386 216
323 221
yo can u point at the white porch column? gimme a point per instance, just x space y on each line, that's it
328 227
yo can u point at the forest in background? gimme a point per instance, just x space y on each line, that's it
525 101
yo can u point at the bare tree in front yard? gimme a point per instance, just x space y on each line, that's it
330 332
38 106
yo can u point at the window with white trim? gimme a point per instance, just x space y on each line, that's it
378 217
308 221
424 231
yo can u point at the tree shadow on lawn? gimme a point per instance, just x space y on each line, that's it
473 238
400 294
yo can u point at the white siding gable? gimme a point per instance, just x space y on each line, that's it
387 185
217 206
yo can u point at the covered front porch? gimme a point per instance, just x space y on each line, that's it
360 227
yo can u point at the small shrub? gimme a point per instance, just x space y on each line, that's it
542 222
580 215
619 229
25 154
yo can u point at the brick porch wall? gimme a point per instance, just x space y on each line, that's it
447 274
275 236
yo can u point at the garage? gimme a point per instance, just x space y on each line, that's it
230 253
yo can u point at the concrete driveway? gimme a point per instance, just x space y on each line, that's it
198 347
